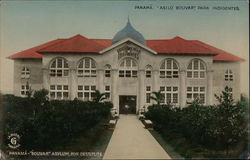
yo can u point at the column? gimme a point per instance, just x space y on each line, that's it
100 78
73 83
141 88
209 96
114 94
156 78
182 96
45 78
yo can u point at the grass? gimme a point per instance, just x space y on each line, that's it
166 146
96 140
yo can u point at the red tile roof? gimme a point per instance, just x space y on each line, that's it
178 45
80 44
75 44
32 52
222 55
104 42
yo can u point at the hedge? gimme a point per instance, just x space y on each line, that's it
44 125
214 127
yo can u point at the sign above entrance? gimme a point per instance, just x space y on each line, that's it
128 51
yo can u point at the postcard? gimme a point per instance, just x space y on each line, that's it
124 79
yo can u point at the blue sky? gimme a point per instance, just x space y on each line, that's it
25 24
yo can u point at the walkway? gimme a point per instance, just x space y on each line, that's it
131 140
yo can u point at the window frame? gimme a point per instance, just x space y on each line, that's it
148 94
194 92
83 71
128 70
229 75
107 92
57 71
166 92
58 91
107 71
25 89
192 71
84 91
148 71
171 72
25 72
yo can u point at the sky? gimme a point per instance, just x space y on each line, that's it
25 24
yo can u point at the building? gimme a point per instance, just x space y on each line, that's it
127 68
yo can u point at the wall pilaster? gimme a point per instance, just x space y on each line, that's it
183 89
156 81
114 94
73 83
141 91
209 96
46 78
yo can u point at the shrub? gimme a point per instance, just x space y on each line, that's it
218 127
44 124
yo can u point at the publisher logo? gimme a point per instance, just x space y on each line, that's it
14 141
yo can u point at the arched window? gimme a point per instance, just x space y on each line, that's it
107 71
228 75
169 69
25 72
148 71
128 68
86 68
59 68
196 69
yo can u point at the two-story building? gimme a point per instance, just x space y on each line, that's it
128 69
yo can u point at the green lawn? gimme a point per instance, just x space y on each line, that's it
96 140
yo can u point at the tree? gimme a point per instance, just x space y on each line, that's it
41 96
225 98
230 121
98 96
156 97
40 99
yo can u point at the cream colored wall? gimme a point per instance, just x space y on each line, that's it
35 79
219 78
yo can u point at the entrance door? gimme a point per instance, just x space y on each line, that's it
127 104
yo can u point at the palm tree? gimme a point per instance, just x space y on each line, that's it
156 97
98 96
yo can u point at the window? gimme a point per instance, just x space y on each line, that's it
25 73
169 69
196 69
230 90
148 71
86 68
148 94
229 75
86 92
59 68
59 92
107 71
128 68
169 94
194 92
25 88
107 92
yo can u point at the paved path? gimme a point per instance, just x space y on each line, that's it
131 140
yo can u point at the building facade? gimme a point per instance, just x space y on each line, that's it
128 69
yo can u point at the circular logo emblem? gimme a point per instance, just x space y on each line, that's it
14 141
